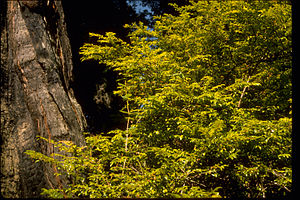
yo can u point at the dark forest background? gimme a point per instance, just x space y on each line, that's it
91 78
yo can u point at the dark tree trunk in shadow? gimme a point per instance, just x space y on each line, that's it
36 98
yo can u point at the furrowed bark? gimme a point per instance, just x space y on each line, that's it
36 98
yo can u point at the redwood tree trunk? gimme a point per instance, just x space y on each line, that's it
36 98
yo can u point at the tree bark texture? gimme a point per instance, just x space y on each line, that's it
36 98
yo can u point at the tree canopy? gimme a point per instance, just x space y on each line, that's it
208 105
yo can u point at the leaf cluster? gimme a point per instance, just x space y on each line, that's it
208 95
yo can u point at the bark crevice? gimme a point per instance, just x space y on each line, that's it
36 98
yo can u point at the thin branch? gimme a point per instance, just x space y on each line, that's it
243 93
127 128
128 121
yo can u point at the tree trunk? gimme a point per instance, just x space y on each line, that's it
36 98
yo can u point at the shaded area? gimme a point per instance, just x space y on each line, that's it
98 17
102 108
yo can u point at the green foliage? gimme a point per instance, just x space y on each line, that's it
208 97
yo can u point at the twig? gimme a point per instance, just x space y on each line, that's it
127 129
243 93
128 122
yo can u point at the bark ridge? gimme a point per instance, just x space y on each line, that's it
36 98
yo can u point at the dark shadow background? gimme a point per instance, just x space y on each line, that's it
100 16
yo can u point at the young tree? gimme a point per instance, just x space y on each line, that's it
208 95
36 98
